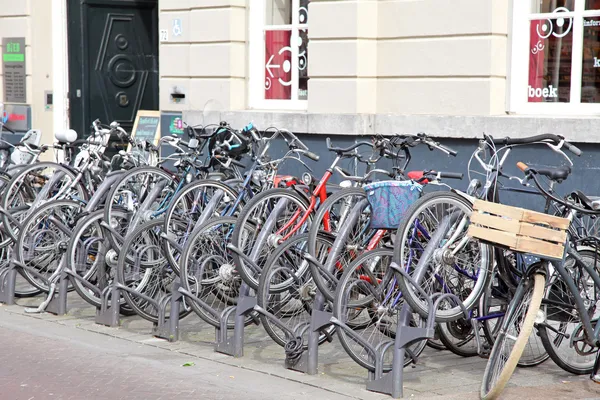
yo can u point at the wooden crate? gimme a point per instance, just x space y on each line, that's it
518 229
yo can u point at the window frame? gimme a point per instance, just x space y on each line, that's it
256 58
519 66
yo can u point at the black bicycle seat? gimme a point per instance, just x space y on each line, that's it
5 147
555 174
590 203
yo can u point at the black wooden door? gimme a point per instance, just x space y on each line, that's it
113 61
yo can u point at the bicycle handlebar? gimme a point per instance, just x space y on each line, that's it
556 139
341 151
531 173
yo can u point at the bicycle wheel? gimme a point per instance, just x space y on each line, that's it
561 332
31 187
458 337
513 336
5 239
195 204
207 269
143 192
143 267
432 246
89 249
43 240
368 301
287 291
260 227
347 213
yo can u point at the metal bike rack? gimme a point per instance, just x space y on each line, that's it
166 328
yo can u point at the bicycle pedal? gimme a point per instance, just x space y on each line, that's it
328 335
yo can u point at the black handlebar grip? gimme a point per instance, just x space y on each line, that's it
312 156
573 149
451 175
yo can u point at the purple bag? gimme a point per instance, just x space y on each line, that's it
389 202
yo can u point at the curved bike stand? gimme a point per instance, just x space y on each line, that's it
165 328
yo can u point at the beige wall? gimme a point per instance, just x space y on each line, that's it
408 57
208 61
365 56
18 19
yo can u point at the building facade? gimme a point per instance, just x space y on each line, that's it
449 68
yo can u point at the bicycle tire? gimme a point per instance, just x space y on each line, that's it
298 303
220 258
348 284
156 269
189 220
326 282
460 330
492 383
81 234
239 237
553 341
109 204
481 274
24 249
24 211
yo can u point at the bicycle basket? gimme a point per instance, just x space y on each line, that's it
389 201
518 229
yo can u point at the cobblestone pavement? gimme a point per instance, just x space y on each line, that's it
65 356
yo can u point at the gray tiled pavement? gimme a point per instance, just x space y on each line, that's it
438 373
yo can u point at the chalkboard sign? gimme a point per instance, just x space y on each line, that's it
147 126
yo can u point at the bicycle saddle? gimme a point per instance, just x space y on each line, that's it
590 203
556 174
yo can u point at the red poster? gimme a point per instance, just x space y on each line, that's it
536 61
278 65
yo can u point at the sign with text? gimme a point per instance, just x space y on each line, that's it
13 70
16 117
147 126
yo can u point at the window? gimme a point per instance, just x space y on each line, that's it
557 70
278 54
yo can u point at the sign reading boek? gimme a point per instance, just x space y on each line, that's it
13 69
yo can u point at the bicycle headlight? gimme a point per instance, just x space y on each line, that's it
307 178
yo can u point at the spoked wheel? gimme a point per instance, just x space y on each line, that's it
207 269
368 301
493 307
143 267
144 192
562 332
345 216
458 337
193 205
286 290
89 252
264 221
432 243
436 343
43 240
33 186
22 287
513 336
